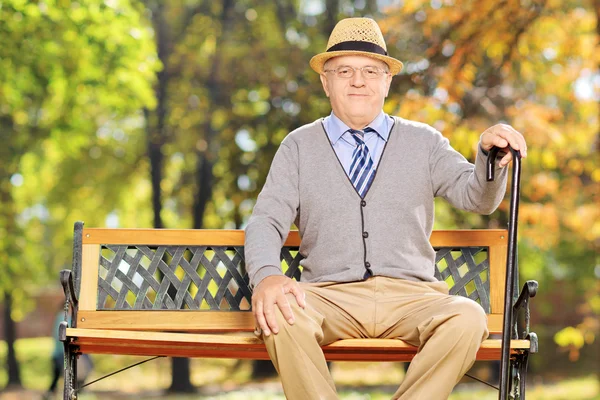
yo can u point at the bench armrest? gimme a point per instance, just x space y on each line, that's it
66 280
529 290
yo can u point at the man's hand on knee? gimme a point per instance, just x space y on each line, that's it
270 293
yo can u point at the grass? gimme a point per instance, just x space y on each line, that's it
230 380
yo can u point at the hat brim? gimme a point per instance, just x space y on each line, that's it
317 62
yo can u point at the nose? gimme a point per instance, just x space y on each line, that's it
357 80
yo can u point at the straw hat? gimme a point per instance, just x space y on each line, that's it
356 36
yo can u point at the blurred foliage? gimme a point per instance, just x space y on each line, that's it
73 77
76 77
574 338
531 64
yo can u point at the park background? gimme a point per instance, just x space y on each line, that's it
133 113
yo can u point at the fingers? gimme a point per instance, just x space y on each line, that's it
298 293
271 319
504 135
268 298
286 310
259 317
265 317
499 141
506 159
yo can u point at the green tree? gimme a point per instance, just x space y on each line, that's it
73 75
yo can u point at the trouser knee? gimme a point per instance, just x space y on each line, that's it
470 318
306 322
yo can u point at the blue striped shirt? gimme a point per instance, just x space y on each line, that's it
344 144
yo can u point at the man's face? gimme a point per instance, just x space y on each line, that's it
356 100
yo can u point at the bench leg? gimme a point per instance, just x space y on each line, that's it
518 377
523 374
70 373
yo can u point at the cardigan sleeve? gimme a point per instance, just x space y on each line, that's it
464 184
274 212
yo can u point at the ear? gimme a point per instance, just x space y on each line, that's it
324 83
388 83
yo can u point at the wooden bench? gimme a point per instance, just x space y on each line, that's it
185 293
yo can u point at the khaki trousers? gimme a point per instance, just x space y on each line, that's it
447 329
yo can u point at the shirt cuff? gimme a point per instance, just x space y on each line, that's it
264 272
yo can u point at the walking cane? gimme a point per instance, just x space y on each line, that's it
511 263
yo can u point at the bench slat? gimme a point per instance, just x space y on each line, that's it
248 346
191 321
497 257
235 237
89 276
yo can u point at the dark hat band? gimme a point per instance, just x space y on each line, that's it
356 45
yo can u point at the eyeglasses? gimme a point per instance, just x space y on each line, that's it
347 72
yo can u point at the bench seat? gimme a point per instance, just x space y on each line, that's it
245 345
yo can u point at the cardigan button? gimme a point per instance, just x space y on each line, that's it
363 203
367 264
365 234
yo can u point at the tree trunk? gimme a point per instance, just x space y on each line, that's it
181 383
332 8
14 375
204 184
206 154
156 161
372 8
9 154
157 136
155 127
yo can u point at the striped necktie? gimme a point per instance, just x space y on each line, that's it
361 170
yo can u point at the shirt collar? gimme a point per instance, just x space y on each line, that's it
336 128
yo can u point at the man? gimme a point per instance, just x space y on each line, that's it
360 185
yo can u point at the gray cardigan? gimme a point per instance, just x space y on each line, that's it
388 231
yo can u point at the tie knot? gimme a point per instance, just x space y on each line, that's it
359 136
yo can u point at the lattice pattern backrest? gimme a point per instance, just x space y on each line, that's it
214 277
466 270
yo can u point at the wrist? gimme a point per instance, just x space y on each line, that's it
264 272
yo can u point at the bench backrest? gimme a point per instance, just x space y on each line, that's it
121 274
